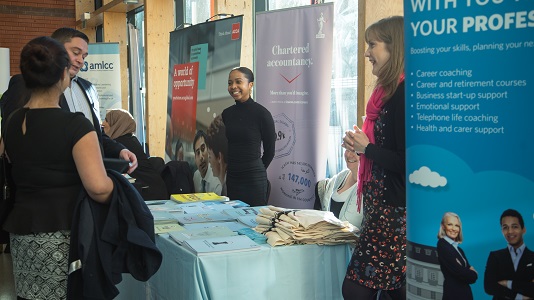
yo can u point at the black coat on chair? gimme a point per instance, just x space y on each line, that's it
178 177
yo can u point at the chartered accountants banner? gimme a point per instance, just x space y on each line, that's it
206 52
102 69
293 72
469 142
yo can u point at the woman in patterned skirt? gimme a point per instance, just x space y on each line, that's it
378 264
54 154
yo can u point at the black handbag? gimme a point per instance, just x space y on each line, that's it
7 195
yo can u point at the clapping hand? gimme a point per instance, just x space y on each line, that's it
355 140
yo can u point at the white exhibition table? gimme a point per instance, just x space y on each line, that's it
284 272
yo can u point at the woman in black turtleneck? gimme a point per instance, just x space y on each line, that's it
248 125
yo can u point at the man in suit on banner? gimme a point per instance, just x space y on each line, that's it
510 271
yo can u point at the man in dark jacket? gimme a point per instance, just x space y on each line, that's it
510 271
80 96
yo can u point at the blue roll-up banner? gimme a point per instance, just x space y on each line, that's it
102 69
293 73
469 95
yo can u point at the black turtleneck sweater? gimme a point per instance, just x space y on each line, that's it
248 124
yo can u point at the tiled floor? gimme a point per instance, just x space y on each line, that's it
7 285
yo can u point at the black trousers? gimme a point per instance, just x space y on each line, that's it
353 291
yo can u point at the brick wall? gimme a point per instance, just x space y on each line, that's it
22 20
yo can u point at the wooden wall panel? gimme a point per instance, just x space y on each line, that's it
159 22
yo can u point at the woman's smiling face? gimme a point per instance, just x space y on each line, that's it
378 55
452 227
238 86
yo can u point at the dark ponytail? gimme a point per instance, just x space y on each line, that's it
42 62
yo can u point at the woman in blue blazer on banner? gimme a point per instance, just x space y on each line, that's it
457 271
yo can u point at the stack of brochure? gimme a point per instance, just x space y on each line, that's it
245 215
243 211
253 235
164 228
202 217
163 217
170 215
232 225
197 197
200 233
235 243
164 221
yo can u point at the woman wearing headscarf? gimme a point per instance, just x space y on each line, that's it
120 125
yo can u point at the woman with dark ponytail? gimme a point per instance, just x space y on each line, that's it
54 154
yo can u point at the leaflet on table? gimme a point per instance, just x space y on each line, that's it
170 227
199 207
201 233
189 208
233 203
202 217
155 202
197 197
232 225
243 211
193 208
161 217
253 235
250 221
217 206
210 205
225 244
166 205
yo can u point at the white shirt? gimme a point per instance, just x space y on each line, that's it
516 256
77 101
212 183
349 211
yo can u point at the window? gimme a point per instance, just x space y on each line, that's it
419 274
191 12
196 11
136 102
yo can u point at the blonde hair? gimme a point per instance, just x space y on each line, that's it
391 32
442 233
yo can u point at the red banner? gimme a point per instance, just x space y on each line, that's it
184 100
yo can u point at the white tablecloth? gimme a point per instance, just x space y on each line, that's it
287 272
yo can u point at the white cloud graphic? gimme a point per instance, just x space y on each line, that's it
426 177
